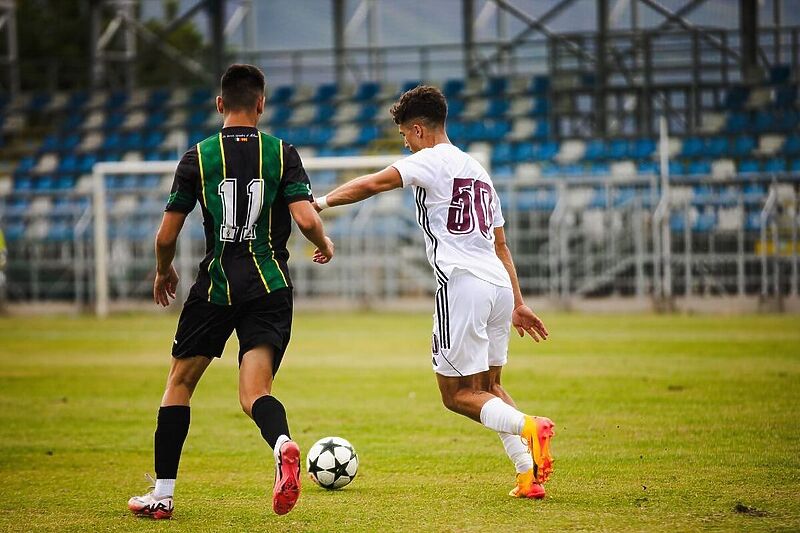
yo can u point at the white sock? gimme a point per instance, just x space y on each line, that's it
501 417
164 488
278 443
517 451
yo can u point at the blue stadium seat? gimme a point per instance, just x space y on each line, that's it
619 149
68 164
26 164
692 147
779 74
743 146
538 200
64 182
86 163
367 113
752 221
39 101
73 121
153 140
114 120
281 95
454 109
502 173
502 153
368 134
326 92
795 166
643 148
51 143
701 167
496 86
116 99
542 130
112 141
764 121
453 88
703 195
540 85
788 120
367 91
737 122
281 115
70 142
14 231
540 107
408 85
77 100
749 166
158 97
155 120
599 169
677 221
785 97
595 150
197 118
44 183
23 183
676 168
706 221
546 150
716 147
497 108
775 165
754 193
200 97
736 97
324 113
18 206
792 145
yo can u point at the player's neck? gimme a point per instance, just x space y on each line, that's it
242 120
439 137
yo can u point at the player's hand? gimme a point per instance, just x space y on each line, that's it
324 255
164 287
523 319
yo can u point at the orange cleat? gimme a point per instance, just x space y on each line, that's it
287 478
527 487
537 432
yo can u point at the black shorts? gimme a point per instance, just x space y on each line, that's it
204 328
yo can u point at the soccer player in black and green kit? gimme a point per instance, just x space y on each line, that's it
248 185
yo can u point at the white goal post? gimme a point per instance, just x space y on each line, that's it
100 195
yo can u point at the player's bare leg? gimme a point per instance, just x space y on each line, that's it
255 388
517 450
171 431
465 395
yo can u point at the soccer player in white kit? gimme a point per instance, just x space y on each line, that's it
478 296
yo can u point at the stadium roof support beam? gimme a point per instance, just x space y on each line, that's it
601 72
534 24
468 23
216 21
10 60
748 28
672 16
339 27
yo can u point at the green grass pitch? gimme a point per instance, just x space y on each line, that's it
664 423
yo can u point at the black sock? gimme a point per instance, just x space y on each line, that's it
270 417
173 425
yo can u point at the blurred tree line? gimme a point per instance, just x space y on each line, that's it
54 39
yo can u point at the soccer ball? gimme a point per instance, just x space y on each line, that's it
332 463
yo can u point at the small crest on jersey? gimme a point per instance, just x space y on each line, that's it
241 139
434 346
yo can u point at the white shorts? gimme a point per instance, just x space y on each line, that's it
471 325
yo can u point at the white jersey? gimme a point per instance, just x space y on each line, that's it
457 209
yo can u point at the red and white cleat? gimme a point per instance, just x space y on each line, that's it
287 478
151 507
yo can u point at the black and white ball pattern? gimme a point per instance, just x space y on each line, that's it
332 462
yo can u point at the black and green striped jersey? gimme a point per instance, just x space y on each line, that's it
244 180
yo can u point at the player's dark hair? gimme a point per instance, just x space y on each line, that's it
424 103
241 86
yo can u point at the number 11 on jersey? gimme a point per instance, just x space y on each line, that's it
228 230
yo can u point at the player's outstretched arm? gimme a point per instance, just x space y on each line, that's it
311 226
523 318
361 188
166 283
